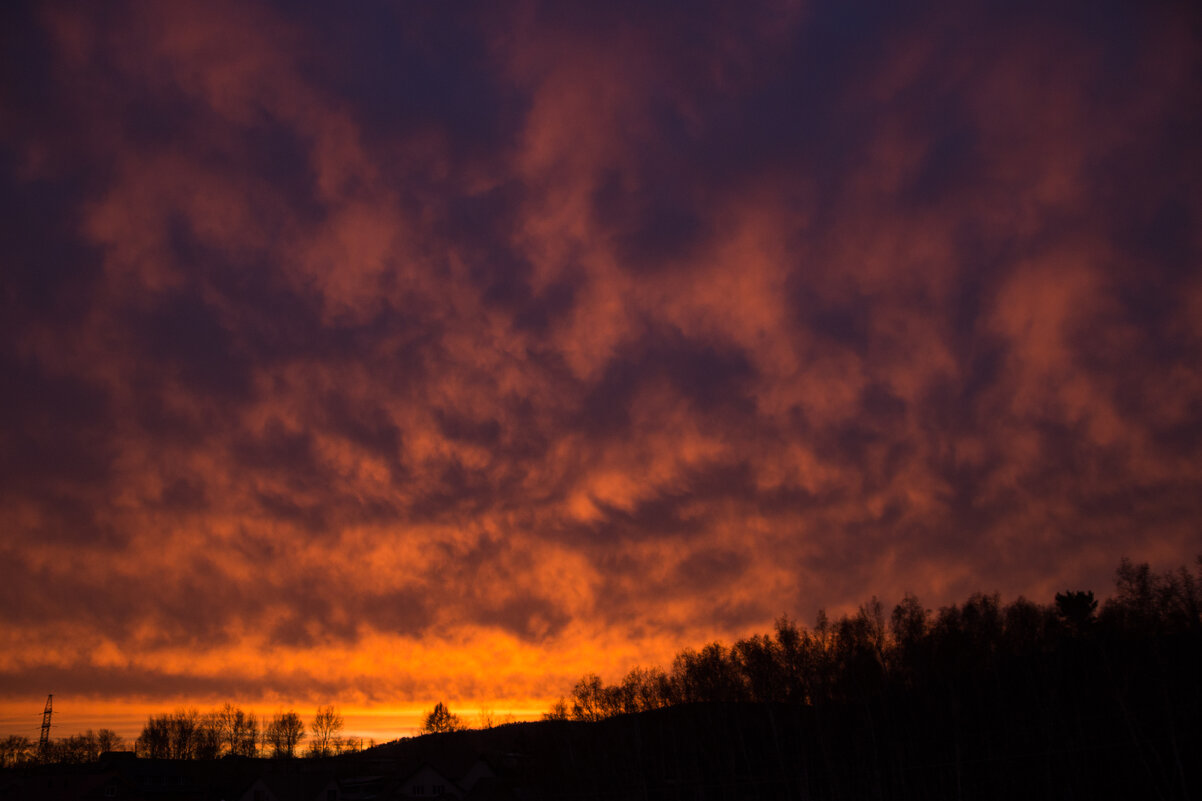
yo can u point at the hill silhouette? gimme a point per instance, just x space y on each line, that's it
977 700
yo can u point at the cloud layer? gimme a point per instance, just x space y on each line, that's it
412 351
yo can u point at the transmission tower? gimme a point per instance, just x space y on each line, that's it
44 742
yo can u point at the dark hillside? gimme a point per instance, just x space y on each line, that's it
978 700
958 743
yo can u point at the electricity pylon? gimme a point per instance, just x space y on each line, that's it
44 742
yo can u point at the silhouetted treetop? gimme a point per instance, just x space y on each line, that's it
870 653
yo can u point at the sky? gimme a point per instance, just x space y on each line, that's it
387 353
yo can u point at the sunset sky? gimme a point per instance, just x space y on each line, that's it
382 353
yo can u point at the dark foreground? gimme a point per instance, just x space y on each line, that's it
705 751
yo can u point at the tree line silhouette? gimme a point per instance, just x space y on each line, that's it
1033 698
188 734
78 748
913 648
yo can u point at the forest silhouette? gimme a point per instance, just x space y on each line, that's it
1020 646
974 700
